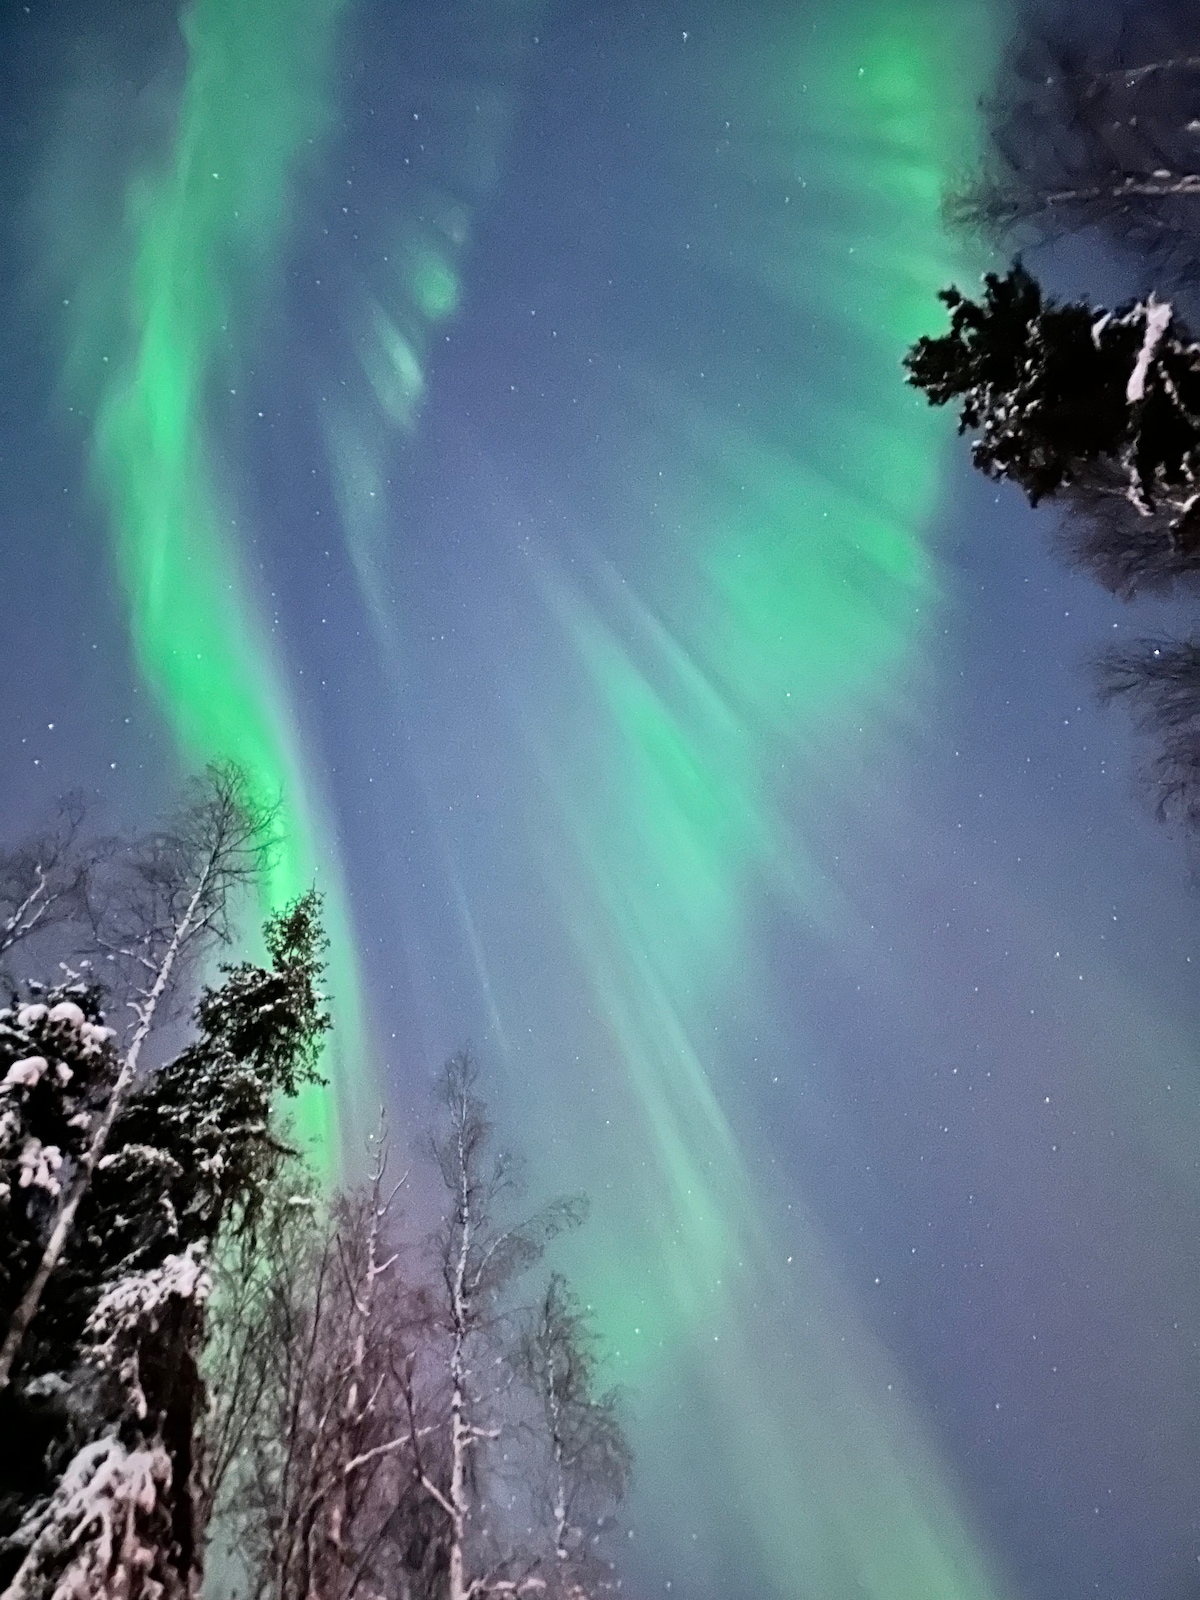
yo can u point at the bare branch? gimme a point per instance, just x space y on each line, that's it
44 883
1078 139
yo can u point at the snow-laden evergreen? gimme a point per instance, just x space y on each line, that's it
98 1497
1072 396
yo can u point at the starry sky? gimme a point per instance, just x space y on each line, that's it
484 421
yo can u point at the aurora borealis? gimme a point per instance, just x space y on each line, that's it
485 422
156 317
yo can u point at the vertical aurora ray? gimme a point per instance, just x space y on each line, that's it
751 592
160 316
585 323
466 73
637 719
789 604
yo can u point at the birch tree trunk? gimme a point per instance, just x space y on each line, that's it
460 1429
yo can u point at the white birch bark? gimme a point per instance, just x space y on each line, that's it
460 1427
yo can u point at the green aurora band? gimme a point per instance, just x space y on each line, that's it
771 591
157 319
792 600
788 585
726 674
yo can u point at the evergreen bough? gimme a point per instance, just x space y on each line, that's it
97 1474
1072 397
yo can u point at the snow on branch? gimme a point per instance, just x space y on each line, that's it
1156 315
100 1536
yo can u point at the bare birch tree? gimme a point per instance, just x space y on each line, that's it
1089 129
479 1255
588 1457
307 1425
1129 550
1160 681
44 882
386 1434
172 898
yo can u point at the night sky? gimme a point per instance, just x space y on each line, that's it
484 420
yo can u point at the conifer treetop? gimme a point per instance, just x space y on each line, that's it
1071 395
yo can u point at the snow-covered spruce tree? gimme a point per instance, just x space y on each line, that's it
1074 398
1100 412
101 1412
168 897
57 1068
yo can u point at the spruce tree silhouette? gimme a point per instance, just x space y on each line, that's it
1072 397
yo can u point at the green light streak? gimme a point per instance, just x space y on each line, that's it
200 235
394 370
394 323
773 596
778 602
433 285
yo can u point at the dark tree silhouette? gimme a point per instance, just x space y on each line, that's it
115 1181
1095 127
1095 124
1099 411
1105 403
1160 681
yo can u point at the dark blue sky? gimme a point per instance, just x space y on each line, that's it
868 1023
